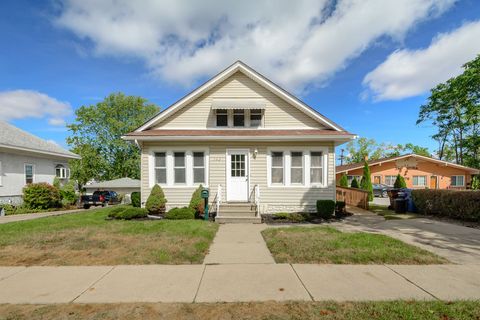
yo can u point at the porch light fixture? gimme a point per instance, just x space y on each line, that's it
255 152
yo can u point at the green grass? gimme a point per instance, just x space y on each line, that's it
401 310
389 214
328 245
88 239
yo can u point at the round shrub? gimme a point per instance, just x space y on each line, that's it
156 201
180 214
41 196
325 208
197 203
127 213
135 198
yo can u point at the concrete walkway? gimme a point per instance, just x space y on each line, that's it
237 282
239 243
457 243
37 215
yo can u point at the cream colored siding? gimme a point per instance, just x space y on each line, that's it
272 198
278 113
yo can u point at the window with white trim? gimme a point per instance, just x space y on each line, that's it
277 167
390 180
296 167
29 173
61 171
160 167
316 167
198 167
239 118
419 181
179 169
256 118
457 181
222 117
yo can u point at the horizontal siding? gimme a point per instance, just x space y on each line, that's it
278 113
270 196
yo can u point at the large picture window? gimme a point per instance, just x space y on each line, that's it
179 168
316 167
277 167
419 181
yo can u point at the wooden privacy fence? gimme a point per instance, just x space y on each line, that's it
353 197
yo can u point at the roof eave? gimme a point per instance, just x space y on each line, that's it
50 153
334 137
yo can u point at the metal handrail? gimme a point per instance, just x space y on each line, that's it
218 199
256 199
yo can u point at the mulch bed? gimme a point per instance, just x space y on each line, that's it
309 219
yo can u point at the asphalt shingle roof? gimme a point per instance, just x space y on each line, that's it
13 137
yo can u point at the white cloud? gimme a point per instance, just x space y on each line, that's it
407 73
295 43
19 104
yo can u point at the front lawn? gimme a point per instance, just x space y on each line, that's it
88 239
390 214
328 245
421 310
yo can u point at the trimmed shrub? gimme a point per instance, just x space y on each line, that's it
340 207
296 217
476 183
156 201
135 198
343 181
197 204
127 213
68 194
41 196
180 214
355 183
366 183
461 204
325 208
399 182
281 215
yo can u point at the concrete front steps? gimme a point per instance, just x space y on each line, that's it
237 212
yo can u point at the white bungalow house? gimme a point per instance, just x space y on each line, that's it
255 146
25 158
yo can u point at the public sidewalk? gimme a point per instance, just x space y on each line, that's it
37 215
237 282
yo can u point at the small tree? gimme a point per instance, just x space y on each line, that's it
354 183
343 181
197 203
366 183
399 182
476 183
156 201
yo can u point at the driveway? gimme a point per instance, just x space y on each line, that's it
456 243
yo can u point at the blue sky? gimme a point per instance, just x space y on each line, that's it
366 65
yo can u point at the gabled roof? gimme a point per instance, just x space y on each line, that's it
14 138
116 183
254 75
354 166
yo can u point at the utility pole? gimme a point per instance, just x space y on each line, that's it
341 157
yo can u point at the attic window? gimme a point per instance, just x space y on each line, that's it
238 118
255 118
222 118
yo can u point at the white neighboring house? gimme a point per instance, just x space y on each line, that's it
25 158
256 147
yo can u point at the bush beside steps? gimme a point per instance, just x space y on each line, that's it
184 213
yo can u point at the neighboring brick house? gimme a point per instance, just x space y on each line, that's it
419 172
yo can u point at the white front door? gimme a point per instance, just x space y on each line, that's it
237 175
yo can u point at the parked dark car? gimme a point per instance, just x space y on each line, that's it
99 198
381 190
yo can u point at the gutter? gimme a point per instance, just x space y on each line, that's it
50 153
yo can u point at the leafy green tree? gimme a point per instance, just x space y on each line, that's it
366 182
362 147
355 183
343 181
476 183
156 201
96 135
399 182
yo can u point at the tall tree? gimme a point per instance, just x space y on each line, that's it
453 108
96 135
366 182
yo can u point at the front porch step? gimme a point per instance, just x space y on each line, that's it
233 219
237 213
